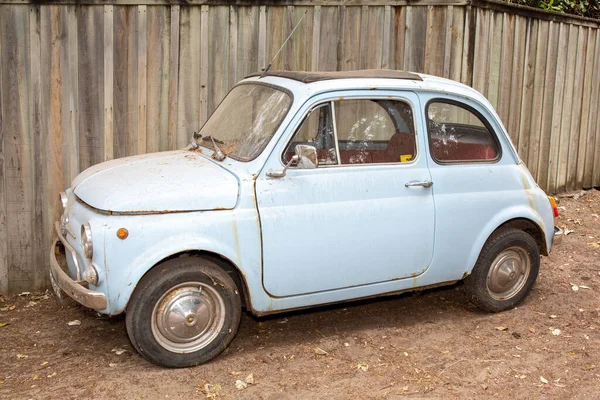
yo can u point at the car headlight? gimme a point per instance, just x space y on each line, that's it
64 200
86 240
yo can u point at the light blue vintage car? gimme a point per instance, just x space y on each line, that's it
302 189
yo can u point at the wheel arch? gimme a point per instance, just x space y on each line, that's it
223 262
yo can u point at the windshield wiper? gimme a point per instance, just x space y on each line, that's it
219 156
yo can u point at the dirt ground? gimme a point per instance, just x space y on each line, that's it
432 344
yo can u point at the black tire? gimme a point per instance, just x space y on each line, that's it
184 312
502 265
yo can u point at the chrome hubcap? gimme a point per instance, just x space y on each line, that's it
188 317
508 273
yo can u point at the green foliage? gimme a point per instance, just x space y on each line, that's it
584 8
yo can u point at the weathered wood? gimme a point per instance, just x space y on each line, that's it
157 92
218 60
594 118
17 148
567 109
142 84
456 39
4 285
108 82
537 110
575 143
525 133
416 38
549 119
398 38
188 99
516 83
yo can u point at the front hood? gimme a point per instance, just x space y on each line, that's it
171 181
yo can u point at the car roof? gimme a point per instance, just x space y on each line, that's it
316 76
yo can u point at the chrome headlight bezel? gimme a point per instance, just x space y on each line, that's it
86 241
64 200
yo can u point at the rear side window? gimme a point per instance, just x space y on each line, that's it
458 134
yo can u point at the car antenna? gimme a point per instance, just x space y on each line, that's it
281 48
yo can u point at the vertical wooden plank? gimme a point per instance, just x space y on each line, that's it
124 87
567 109
188 93
450 31
537 110
173 79
481 51
90 66
375 38
329 39
142 71
233 44
17 149
516 84
416 38
495 53
158 80
275 36
248 41
204 60
576 149
584 136
398 39
559 89
351 39
302 39
506 69
435 41
364 37
262 38
529 72
73 93
3 187
468 47
218 56
316 39
456 38
42 226
387 31
108 82
547 130
592 170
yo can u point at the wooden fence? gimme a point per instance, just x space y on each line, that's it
86 81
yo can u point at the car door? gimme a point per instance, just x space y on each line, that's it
365 214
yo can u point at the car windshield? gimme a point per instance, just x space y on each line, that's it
246 120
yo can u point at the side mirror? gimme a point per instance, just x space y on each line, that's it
305 158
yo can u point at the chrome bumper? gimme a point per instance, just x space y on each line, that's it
558 236
62 281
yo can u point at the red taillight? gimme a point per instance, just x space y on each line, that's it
554 208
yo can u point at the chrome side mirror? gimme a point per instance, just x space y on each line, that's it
305 158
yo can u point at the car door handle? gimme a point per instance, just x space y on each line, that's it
425 184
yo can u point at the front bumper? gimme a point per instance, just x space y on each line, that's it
62 281
558 236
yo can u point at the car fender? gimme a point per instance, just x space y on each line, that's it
500 218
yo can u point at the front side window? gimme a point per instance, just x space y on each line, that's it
368 131
246 120
458 134
374 131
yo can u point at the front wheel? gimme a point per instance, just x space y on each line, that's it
183 312
505 271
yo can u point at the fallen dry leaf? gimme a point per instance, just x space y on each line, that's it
21 356
532 330
556 331
3 324
240 385
544 380
250 379
320 351
363 367
574 287
75 322
118 351
501 328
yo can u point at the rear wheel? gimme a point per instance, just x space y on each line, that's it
183 312
505 271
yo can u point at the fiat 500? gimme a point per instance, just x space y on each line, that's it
303 189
